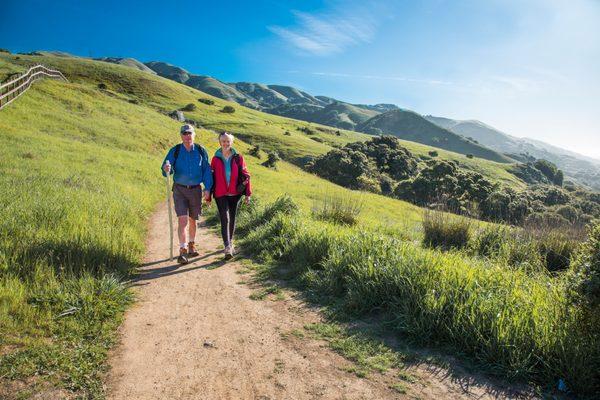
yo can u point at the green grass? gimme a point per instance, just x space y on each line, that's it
367 354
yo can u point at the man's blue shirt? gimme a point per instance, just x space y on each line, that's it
191 168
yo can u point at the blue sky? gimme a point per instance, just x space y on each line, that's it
529 67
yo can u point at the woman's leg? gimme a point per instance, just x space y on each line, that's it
223 207
233 204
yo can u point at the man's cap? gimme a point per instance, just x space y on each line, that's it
186 128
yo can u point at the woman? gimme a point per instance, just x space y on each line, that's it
231 180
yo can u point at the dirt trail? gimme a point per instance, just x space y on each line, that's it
195 334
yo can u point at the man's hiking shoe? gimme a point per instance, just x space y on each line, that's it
183 256
192 250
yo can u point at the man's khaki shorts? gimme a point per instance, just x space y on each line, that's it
187 201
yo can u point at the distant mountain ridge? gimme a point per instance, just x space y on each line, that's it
583 169
474 137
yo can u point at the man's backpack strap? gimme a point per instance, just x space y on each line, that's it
176 154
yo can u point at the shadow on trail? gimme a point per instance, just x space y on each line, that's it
176 268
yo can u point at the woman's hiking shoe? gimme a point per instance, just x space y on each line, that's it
183 256
192 252
227 252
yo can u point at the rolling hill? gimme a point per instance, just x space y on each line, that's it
128 62
409 125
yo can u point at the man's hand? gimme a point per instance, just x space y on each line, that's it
207 197
167 168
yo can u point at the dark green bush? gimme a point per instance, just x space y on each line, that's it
228 110
255 151
102 86
433 153
188 107
208 102
445 231
469 155
272 159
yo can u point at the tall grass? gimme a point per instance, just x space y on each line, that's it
445 231
520 326
337 209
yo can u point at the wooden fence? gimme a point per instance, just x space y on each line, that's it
12 89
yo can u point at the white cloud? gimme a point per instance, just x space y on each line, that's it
385 78
328 33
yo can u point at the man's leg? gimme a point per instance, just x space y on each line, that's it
192 229
195 200
182 224
181 208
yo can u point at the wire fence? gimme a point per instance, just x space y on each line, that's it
11 90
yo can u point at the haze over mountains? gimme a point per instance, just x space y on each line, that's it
463 136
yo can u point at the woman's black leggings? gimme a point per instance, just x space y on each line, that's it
227 206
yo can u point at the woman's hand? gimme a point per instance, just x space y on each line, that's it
247 200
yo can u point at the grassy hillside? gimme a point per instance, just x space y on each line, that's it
411 126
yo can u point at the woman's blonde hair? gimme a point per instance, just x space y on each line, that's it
225 133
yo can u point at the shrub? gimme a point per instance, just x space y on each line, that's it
228 109
445 231
189 107
255 151
469 155
317 139
557 250
585 279
306 130
341 210
102 86
568 212
4 51
433 153
208 102
287 133
134 101
272 159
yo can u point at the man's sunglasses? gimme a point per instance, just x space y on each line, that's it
186 133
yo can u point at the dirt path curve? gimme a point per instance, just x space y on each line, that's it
194 333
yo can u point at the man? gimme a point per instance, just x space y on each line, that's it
190 166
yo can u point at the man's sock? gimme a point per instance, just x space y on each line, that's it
183 245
